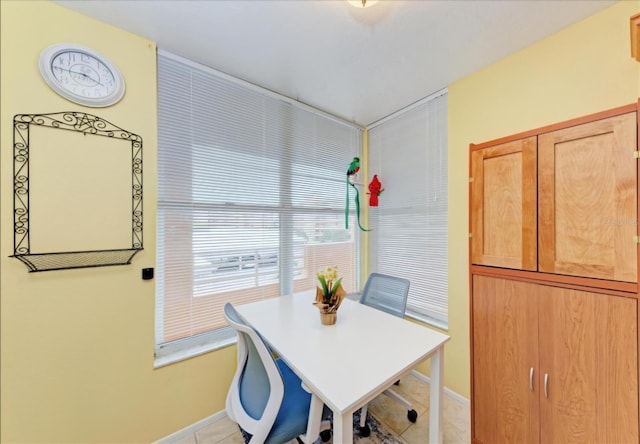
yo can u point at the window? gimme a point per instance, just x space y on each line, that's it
251 194
408 151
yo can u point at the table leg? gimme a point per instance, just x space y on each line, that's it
343 428
436 391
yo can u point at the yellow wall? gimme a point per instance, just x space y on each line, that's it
77 345
580 70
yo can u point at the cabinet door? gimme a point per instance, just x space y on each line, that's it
503 205
588 349
505 334
587 200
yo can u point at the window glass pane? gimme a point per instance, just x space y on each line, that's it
408 151
324 241
224 176
234 251
251 191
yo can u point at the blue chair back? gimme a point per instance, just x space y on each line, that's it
257 389
386 293
266 397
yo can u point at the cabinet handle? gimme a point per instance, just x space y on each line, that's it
531 379
546 383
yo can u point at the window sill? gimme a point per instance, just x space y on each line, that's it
429 321
191 352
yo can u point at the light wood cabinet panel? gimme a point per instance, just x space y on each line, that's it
503 205
588 349
582 347
506 339
587 200
554 265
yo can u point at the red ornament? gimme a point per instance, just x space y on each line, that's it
375 188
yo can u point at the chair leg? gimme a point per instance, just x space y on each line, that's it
314 421
364 428
393 395
412 415
363 416
324 433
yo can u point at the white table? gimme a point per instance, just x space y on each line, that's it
348 364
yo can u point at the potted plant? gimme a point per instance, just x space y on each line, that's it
329 295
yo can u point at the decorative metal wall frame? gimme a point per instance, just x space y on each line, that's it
89 125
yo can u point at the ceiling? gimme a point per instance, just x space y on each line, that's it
354 63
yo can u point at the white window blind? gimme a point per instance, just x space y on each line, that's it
408 152
251 194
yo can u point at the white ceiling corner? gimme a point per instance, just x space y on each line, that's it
357 64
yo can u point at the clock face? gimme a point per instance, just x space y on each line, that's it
81 75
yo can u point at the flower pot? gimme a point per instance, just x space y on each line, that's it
328 318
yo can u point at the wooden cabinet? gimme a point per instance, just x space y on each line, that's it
580 184
587 216
505 341
503 205
554 283
553 365
588 350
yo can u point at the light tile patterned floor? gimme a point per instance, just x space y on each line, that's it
390 413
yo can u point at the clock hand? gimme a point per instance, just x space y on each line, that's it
79 73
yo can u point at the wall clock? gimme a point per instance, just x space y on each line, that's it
81 75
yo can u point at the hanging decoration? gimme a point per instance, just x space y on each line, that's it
35 256
353 169
375 189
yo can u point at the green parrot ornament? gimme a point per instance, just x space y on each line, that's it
354 167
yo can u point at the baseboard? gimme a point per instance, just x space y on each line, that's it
457 396
193 428
190 430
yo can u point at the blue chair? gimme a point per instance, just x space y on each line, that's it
388 294
266 398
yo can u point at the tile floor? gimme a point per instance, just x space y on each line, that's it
388 412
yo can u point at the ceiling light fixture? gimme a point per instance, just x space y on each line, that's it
362 3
